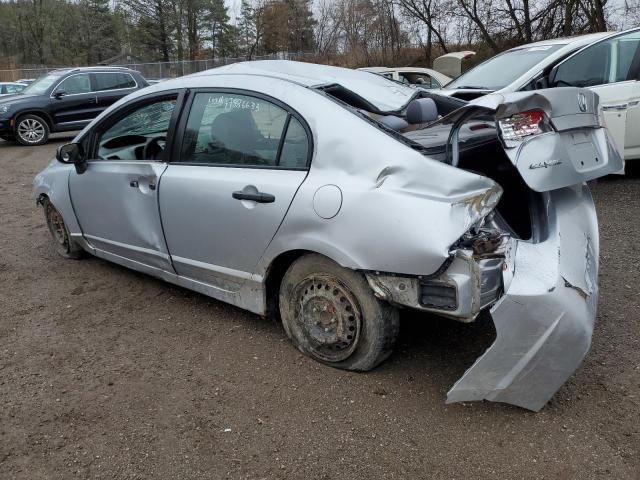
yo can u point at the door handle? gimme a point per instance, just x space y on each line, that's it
620 106
258 197
133 184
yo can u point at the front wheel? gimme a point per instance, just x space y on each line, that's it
331 314
31 130
65 246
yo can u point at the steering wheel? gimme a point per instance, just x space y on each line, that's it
154 148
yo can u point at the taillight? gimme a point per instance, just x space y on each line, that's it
516 128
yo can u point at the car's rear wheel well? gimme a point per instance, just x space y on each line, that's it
274 275
41 198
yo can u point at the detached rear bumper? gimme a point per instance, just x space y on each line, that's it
545 319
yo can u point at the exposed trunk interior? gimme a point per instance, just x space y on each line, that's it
480 151
518 202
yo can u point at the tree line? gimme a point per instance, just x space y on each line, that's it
347 32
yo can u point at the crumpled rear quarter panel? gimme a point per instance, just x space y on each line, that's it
545 320
400 210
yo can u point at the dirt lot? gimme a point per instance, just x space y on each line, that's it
107 373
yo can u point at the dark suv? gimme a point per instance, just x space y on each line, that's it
63 100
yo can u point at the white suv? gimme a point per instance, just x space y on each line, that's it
607 63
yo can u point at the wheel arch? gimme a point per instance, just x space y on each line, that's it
274 275
41 198
40 113
53 184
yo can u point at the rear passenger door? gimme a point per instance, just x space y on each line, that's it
241 158
111 87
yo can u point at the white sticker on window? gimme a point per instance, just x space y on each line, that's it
234 103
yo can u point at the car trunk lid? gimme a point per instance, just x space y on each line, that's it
569 146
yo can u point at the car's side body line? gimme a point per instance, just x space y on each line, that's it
250 296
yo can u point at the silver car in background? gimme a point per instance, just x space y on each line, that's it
335 197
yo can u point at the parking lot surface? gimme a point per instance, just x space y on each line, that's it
107 373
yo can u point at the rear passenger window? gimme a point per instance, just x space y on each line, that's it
295 148
233 129
113 81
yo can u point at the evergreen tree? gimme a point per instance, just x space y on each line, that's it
247 30
217 20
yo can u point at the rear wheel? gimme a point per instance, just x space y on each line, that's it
330 314
31 130
64 245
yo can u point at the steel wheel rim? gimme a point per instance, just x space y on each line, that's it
328 316
31 130
56 227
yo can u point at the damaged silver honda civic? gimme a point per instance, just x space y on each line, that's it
335 197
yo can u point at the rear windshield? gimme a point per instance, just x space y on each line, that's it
503 69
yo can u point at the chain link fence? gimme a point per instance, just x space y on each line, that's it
159 70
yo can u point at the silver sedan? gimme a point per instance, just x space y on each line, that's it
333 197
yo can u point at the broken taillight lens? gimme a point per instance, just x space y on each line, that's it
516 128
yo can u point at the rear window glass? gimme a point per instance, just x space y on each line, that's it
113 81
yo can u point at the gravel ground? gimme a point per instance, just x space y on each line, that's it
107 373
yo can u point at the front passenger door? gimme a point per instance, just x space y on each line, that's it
73 103
242 159
116 199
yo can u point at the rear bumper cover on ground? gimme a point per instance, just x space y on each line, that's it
545 319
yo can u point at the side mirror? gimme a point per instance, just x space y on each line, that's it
72 154
542 82
59 94
68 153
551 78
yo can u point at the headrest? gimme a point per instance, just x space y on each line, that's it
422 110
393 122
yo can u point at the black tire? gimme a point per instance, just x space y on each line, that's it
31 130
64 245
331 314
8 138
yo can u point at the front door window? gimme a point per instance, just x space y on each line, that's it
610 61
139 135
75 85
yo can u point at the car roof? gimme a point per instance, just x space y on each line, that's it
375 69
63 71
384 94
574 41
397 69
